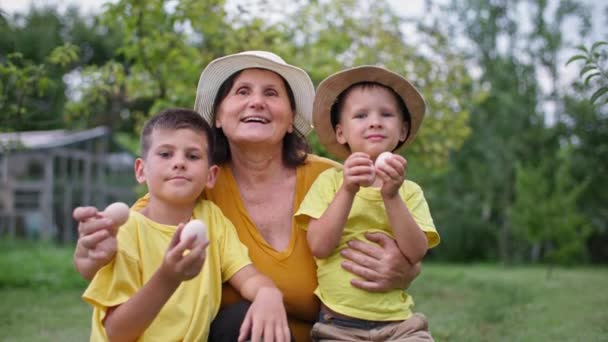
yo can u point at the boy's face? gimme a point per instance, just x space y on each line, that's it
370 121
176 168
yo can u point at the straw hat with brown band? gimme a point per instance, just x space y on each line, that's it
330 88
222 68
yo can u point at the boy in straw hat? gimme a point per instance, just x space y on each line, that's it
364 115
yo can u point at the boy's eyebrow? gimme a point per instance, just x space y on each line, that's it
188 148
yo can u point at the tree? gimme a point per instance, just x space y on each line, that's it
545 211
509 125
39 48
24 87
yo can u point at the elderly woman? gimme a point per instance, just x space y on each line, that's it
261 110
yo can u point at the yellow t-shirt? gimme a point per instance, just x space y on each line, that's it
142 244
292 270
368 214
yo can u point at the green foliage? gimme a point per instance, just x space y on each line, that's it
161 61
23 85
64 55
545 211
587 132
343 34
594 69
474 200
44 46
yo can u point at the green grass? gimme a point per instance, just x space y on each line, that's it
40 300
40 294
493 303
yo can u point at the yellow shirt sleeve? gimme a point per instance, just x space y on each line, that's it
416 203
318 198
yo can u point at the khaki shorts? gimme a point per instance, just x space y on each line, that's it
414 329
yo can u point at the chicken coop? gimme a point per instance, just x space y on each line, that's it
45 174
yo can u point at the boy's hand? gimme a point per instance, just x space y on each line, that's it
358 171
266 318
392 173
180 266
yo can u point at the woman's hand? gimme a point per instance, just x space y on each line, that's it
382 267
96 243
266 319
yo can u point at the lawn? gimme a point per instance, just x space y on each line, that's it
40 300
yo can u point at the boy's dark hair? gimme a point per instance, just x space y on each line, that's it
176 118
336 108
295 145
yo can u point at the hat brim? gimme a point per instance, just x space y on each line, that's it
219 70
332 86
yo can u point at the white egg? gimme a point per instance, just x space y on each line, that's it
118 212
196 228
381 159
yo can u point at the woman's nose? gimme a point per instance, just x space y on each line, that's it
256 101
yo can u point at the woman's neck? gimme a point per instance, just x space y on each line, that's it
165 213
255 166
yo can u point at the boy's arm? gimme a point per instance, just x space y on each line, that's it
324 233
410 238
266 316
129 320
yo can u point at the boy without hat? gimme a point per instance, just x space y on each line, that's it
159 287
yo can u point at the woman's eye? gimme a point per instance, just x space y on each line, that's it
388 114
242 91
271 93
360 115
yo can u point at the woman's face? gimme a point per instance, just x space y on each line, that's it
256 109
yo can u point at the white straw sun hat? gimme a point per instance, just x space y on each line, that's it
222 68
331 87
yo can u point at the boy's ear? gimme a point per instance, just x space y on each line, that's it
403 133
214 170
140 175
340 134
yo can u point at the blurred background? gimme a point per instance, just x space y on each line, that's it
512 155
